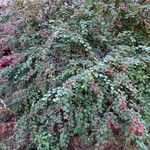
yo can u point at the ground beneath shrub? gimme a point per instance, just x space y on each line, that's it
77 144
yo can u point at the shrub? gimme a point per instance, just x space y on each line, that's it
76 69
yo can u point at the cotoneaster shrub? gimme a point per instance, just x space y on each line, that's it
93 105
76 69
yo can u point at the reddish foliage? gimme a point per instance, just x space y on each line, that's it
6 51
122 105
7 127
6 61
110 123
69 84
121 68
134 106
76 143
110 73
110 63
141 111
44 33
136 128
95 90
30 74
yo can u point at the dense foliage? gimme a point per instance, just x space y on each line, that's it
76 69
